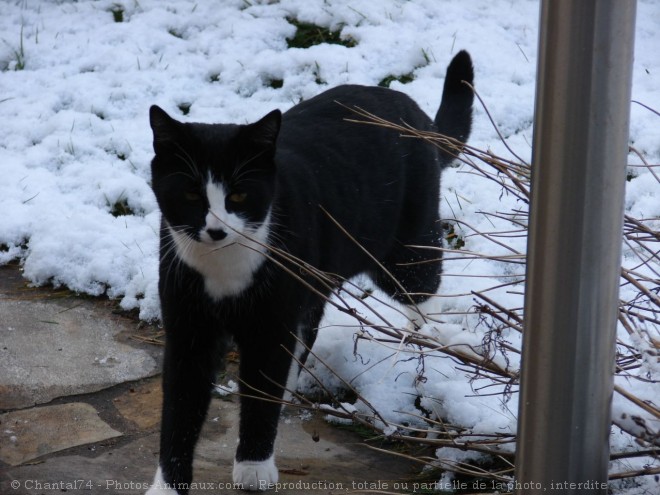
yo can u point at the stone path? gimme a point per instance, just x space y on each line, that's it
80 409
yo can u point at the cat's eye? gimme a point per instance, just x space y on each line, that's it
237 197
192 196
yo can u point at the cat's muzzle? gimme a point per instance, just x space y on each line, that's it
216 234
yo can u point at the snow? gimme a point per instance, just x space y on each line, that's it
75 141
224 390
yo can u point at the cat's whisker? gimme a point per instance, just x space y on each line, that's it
172 247
220 248
189 162
245 163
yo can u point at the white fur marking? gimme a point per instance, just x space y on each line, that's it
218 217
424 312
228 265
159 487
256 475
294 370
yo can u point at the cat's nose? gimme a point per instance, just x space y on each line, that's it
216 234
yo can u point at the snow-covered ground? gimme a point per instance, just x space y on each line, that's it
75 147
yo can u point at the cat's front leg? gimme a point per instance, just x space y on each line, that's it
188 373
264 371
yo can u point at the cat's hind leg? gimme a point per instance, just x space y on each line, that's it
305 338
411 276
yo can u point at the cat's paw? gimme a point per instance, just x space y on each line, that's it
159 486
256 475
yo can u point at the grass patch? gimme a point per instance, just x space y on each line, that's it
176 33
20 54
308 35
184 107
275 83
121 155
120 208
5 248
317 74
454 240
117 11
18 61
403 79
408 77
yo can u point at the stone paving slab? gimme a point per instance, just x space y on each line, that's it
124 469
50 350
141 404
314 458
31 433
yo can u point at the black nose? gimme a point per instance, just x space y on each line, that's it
216 234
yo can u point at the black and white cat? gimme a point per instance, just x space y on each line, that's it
233 197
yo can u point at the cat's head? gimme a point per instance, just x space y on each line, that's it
214 183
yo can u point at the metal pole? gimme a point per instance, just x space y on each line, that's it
574 247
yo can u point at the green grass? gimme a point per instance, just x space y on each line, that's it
275 83
19 54
4 248
184 107
120 208
176 33
454 240
408 77
403 79
117 11
308 35
317 74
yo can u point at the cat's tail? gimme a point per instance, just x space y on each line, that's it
454 117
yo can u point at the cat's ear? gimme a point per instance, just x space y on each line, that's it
264 132
164 127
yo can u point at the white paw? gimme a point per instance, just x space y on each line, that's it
159 487
256 475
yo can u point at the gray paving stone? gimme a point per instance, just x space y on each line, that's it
49 350
31 433
141 405
126 470
314 458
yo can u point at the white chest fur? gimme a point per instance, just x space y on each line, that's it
228 267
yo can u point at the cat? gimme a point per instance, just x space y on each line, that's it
239 202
